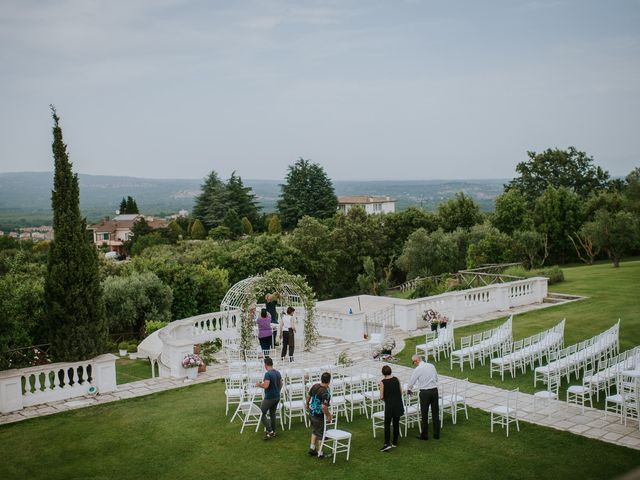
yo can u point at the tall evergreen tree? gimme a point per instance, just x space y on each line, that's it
75 313
210 206
233 223
242 199
306 191
132 206
123 207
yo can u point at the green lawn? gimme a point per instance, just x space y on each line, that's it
613 294
183 434
128 370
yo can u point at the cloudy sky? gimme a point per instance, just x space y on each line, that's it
389 89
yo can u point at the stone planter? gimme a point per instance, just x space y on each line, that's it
123 352
192 373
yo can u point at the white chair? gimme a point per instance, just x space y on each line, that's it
233 391
478 349
411 411
338 441
580 394
294 404
252 413
338 398
464 354
551 393
355 397
377 420
429 346
503 415
446 401
375 341
460 399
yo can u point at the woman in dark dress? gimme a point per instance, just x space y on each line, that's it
391 393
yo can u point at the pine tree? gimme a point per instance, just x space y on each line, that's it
75 315
307 191
198 232
247 227
132 206
211 205
233 223
241 198
274 225
123 207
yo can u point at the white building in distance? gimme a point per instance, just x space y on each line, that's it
370 203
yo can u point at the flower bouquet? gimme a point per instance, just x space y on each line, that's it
383 352
191 360
435 319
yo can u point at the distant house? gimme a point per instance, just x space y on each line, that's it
112 233
369 203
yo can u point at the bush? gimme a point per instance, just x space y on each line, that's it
151 326
123 346
554 273
132 347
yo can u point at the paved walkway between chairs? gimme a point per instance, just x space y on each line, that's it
592 423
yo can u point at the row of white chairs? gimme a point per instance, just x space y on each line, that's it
608 370
437 342
522 353
482 345
582 356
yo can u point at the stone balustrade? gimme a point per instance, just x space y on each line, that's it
25 387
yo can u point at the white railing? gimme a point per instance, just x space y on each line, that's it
25 387
464 304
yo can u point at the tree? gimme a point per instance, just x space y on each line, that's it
175 231
247 228
368 281
427 254
459 212
615 233
133 299
274 225
307 191
241 199
75 314
558 168
312 241
128 206
512 212
632 191
492 246
145 241
198 232
557 215
233 223
211 205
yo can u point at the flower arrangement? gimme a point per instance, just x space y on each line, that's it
191 360
385 350
435 319
344 359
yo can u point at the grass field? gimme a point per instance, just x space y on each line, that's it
613 294
183 434
128 370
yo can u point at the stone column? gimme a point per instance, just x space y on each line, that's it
104 373
10 391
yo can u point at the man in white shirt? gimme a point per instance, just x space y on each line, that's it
425 378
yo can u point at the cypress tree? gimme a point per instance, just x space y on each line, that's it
75 315
123 207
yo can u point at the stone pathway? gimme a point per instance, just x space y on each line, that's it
592 423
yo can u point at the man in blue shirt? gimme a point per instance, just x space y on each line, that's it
272 384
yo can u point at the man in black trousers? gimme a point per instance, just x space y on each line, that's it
425 377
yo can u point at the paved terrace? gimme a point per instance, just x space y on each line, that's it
592 423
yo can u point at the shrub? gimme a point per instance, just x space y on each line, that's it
132 347
554 273
123 346
151 326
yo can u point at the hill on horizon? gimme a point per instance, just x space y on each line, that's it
25 197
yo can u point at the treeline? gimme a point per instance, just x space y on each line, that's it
561 208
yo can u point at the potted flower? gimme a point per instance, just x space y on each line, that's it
435 319
191 362
123 348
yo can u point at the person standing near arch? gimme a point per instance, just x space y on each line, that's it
287 331
271 302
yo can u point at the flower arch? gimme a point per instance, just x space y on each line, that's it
294 292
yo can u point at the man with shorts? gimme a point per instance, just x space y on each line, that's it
272 384
318 406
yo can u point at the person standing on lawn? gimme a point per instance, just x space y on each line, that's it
391 394
425 377
272 384
287 328
318 401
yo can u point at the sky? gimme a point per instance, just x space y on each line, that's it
370 90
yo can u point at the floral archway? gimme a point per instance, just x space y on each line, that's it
294 291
